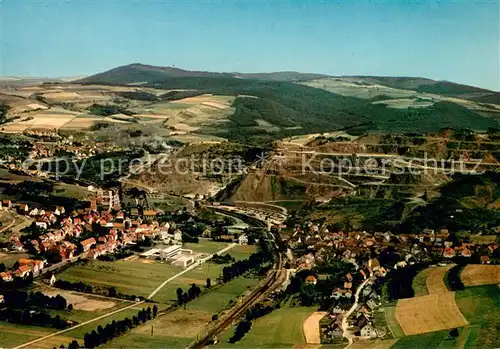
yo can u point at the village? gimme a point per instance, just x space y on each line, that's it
353 305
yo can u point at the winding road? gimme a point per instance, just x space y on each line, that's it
347 334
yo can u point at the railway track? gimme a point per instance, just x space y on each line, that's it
236 312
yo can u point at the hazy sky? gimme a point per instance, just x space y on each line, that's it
456 41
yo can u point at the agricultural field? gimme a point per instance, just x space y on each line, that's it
435 279
481 307
139 277
430 313
14 334
280 329
439 339
479 274
79 332
179 328
174 330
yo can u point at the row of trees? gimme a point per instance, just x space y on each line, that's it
33 318
23 299
102 335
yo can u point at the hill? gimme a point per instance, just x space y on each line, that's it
420 85
287 108
137 73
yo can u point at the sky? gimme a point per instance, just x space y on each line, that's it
444 40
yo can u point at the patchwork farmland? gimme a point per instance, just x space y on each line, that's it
430 313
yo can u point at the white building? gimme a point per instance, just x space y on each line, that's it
170 252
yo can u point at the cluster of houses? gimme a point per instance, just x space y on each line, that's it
67 145
83 233
25 266
315 244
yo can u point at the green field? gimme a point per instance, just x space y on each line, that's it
217 300
140 277
199 275
128 277
481 307
280 329
392 323
420 283
180 327
13 334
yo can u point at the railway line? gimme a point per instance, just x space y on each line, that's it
265 288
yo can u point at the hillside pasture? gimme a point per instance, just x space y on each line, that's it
430 313
479 274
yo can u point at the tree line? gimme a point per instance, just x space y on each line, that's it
23 299
33 318
102 335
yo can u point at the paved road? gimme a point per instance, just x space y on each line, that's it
348 335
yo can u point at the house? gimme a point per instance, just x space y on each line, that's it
339 308
87 244
6 277
449 252
243 239
371 303
41 224
485 260
331 330
16 245
22 271
23 209
149 214
348 276
178 235
51 280
59 210
337 293
311 280
6 204
466 253
373 264
368 331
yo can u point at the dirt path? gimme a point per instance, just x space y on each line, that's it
311 327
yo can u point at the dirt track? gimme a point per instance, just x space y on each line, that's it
311 327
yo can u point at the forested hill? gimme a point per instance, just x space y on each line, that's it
295 108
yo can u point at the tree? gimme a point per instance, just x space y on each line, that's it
454 333
209 283
74 345
2 267
180 294
70 307
4 109
155 310
112 292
